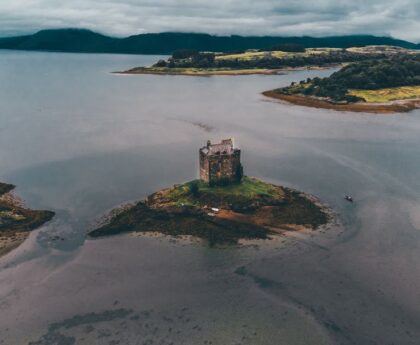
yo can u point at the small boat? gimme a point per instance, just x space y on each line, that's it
348 198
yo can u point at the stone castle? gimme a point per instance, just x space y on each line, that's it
220 164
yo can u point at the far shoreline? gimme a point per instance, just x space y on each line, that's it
195 72
393 107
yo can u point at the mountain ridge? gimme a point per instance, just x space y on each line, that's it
87 41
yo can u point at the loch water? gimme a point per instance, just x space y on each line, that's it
80 140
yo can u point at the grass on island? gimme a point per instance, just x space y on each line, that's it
186 210
387 94
237 196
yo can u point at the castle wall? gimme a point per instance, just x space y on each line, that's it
224 167
220 163
204 167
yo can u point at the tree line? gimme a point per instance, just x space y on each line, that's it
188 58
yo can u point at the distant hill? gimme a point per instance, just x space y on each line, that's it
86 41
65 40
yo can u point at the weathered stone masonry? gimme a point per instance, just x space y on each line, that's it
220 163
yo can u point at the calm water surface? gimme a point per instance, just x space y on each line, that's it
79 140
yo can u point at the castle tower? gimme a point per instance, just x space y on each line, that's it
220 163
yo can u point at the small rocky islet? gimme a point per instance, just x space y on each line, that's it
222 207
17 221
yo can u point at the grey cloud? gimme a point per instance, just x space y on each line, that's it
246 17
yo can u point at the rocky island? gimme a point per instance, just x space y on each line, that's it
222 207
277 59
376 86
16 221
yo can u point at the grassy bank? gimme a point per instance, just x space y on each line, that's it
252 209
363 107
387 94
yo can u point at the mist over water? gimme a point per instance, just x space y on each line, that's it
80 140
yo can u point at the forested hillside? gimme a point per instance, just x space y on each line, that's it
80 40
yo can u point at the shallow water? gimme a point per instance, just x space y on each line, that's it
79 140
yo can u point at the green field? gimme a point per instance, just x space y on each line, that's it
244 193
387 94
254 55
382 49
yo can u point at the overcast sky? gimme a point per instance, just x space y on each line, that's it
397 18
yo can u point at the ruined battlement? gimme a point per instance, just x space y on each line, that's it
220 163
